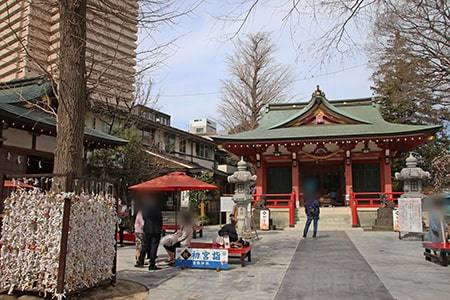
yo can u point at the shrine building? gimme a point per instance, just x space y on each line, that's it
340 146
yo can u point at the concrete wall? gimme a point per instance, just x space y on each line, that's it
367 217
280 217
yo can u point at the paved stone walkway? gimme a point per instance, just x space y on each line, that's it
401 266
339 265
260 279
330 267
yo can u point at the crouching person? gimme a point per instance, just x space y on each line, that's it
181 238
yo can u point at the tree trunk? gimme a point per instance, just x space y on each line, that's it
71 89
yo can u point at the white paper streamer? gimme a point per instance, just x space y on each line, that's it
31 236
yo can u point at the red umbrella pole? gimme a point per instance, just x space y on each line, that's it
176 208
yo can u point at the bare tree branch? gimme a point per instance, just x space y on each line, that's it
255 80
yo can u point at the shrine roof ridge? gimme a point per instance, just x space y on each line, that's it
337 102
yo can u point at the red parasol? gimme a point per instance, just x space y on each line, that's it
15 184
175 181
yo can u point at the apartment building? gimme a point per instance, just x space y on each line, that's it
203 127
29 39
29 35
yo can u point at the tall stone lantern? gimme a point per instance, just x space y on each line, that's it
243 181
412 177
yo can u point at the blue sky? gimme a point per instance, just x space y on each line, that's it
189 82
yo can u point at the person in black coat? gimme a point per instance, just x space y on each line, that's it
152 214
312 211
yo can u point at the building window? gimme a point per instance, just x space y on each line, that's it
169 142
203 151
199 130
200 150
106 127
183 146
147 137
207 152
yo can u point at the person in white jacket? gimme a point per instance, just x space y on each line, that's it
139 234
184 237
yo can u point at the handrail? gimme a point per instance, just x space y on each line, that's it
372 199
288 202
369 200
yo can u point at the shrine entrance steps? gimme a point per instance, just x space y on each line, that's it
331 218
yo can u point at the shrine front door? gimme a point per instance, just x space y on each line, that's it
326 181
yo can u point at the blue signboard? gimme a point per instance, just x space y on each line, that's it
201 258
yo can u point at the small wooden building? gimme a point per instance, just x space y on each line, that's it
28 133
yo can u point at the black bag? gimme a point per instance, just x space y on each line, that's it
229 230
313 211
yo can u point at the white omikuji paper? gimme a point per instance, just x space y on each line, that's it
31 237
410 215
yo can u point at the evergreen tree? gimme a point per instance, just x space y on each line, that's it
128 163
406 97
196 198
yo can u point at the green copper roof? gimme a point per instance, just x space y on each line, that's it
315 102
14 94
17 91
365 116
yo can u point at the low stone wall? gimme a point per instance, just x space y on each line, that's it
280 217
367 217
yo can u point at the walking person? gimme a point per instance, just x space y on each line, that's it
123 214
333 197
152 216
312 211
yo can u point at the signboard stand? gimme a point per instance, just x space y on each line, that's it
202 258
226 206
410 217
264 223
395 218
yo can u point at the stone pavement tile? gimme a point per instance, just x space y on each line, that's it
330 268
260 278
401 266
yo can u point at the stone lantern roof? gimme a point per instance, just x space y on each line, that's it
411 171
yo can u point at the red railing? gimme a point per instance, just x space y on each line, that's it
279 201
369 200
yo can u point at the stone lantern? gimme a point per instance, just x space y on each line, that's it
243 181
412 177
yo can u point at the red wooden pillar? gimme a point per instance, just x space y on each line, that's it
348 177
387 177
295 182
260 178
381 163
349 191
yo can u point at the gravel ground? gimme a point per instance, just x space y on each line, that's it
124 290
